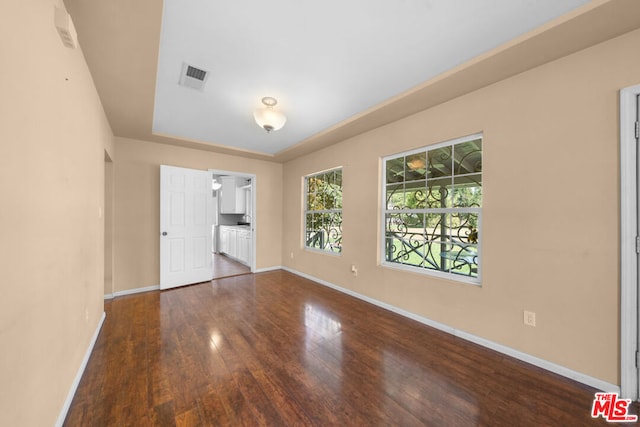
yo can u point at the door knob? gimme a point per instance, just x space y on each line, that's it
164 233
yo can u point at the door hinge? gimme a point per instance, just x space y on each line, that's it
637 129
638 244
637 359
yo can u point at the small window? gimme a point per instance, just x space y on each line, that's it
323 211
433 207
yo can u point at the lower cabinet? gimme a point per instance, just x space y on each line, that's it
236 243
224 240
233 243
244 246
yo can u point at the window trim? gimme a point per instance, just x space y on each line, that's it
383 211
305 194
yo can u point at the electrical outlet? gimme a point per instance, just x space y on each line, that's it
291 255
529 318
354 270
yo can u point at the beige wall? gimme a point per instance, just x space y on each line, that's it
137 204
550 215
53 138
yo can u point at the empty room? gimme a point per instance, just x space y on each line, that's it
412 213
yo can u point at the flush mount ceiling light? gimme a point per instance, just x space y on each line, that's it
268 118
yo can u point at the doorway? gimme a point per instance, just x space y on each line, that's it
189 219
629 241
234 229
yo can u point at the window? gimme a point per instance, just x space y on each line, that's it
323 211
433 208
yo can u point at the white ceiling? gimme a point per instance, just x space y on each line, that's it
325 62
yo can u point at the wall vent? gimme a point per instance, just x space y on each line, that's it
193 77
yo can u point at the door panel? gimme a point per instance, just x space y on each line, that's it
176 255
200 253
186 218
176 212
200 208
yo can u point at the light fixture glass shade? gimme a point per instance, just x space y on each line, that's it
216 185
269 119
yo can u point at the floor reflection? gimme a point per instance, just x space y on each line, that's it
319 325
216 339
323 347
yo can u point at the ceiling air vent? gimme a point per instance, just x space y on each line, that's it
193 77
196 73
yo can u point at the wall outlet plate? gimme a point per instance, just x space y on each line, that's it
529 318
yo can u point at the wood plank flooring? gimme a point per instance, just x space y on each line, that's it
226 267
275 349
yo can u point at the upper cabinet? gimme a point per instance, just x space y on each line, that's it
232 195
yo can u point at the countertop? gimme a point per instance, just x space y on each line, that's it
238 227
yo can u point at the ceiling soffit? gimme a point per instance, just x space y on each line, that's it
121 38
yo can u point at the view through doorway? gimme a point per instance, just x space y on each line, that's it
233 232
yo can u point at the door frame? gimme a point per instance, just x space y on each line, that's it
254 209
628 254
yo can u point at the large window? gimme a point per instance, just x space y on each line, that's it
433 207
323 211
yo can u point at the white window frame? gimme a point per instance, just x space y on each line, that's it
383 209
305 212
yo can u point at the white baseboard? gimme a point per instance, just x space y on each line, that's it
536 361
262 270
132 291
83 366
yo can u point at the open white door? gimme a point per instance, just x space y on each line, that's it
186 218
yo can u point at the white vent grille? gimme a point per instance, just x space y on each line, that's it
196 73
193 77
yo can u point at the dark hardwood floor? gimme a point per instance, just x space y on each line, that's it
278 350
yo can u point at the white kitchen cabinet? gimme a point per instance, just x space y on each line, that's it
232 196
235 242
244 246
224 240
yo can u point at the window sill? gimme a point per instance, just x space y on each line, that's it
322 252
476 281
